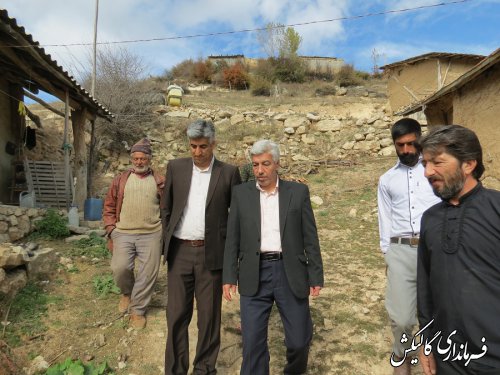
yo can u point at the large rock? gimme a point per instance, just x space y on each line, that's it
308 139
237 119
14 280
11 256
289 130
387 151
348 145
295 122
179 114
329 125
313 117
42 265
386 142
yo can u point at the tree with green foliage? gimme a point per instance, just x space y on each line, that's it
291 43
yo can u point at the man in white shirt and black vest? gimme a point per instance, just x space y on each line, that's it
403 195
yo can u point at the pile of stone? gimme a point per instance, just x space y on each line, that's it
17 222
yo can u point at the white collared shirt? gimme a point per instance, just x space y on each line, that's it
269 220
191 226
403 195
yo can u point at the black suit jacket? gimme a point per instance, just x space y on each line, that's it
299 239
174 199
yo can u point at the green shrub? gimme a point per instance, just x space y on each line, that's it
289 69
52 225
74 367
260 86
363 75
347 76
265 69
104 285
93 247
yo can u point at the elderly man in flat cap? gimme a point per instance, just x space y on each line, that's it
133 226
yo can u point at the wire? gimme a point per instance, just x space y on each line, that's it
260 28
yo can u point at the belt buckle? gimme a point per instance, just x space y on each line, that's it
414 241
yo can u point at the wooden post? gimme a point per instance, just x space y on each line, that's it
65 147
78 118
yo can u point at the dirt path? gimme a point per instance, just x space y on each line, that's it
351 332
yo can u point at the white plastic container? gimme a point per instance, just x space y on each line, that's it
73 218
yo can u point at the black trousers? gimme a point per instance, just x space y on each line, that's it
295 316
188 278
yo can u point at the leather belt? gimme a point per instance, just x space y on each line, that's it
412 241
271 256
192 243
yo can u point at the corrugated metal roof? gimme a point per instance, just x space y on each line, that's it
15 37
433 55
476 71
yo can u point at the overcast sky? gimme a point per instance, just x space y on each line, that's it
468 27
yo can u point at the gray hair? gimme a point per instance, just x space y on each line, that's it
458 141
266 146
201 129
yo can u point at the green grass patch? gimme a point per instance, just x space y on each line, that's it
93 247
26 314
104 285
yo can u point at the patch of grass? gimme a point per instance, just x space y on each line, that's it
52 225
26 313
93 247
104 285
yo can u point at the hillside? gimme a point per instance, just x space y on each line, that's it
338 145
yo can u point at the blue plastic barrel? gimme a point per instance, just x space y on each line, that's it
92 209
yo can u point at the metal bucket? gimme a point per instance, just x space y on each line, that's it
27 199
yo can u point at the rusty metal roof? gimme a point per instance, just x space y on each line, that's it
24 61
433 55
476 71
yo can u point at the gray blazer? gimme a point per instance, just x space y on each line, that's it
174 199
299 239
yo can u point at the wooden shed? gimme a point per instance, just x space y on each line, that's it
25 69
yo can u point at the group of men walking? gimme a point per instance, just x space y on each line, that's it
217 235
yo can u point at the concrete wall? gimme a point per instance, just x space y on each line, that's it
421 79
322 64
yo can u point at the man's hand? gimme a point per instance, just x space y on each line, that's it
314 291
227 289
427 362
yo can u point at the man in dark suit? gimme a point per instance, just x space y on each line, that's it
272 252
194 209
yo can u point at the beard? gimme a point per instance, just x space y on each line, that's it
409 159
141 170
452 186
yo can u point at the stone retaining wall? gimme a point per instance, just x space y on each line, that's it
17 222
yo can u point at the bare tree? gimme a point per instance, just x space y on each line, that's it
121 87
276 40
271 39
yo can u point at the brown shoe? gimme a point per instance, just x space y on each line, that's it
123 304
404 369
137 321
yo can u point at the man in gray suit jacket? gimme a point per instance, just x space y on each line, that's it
272 253
194 210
